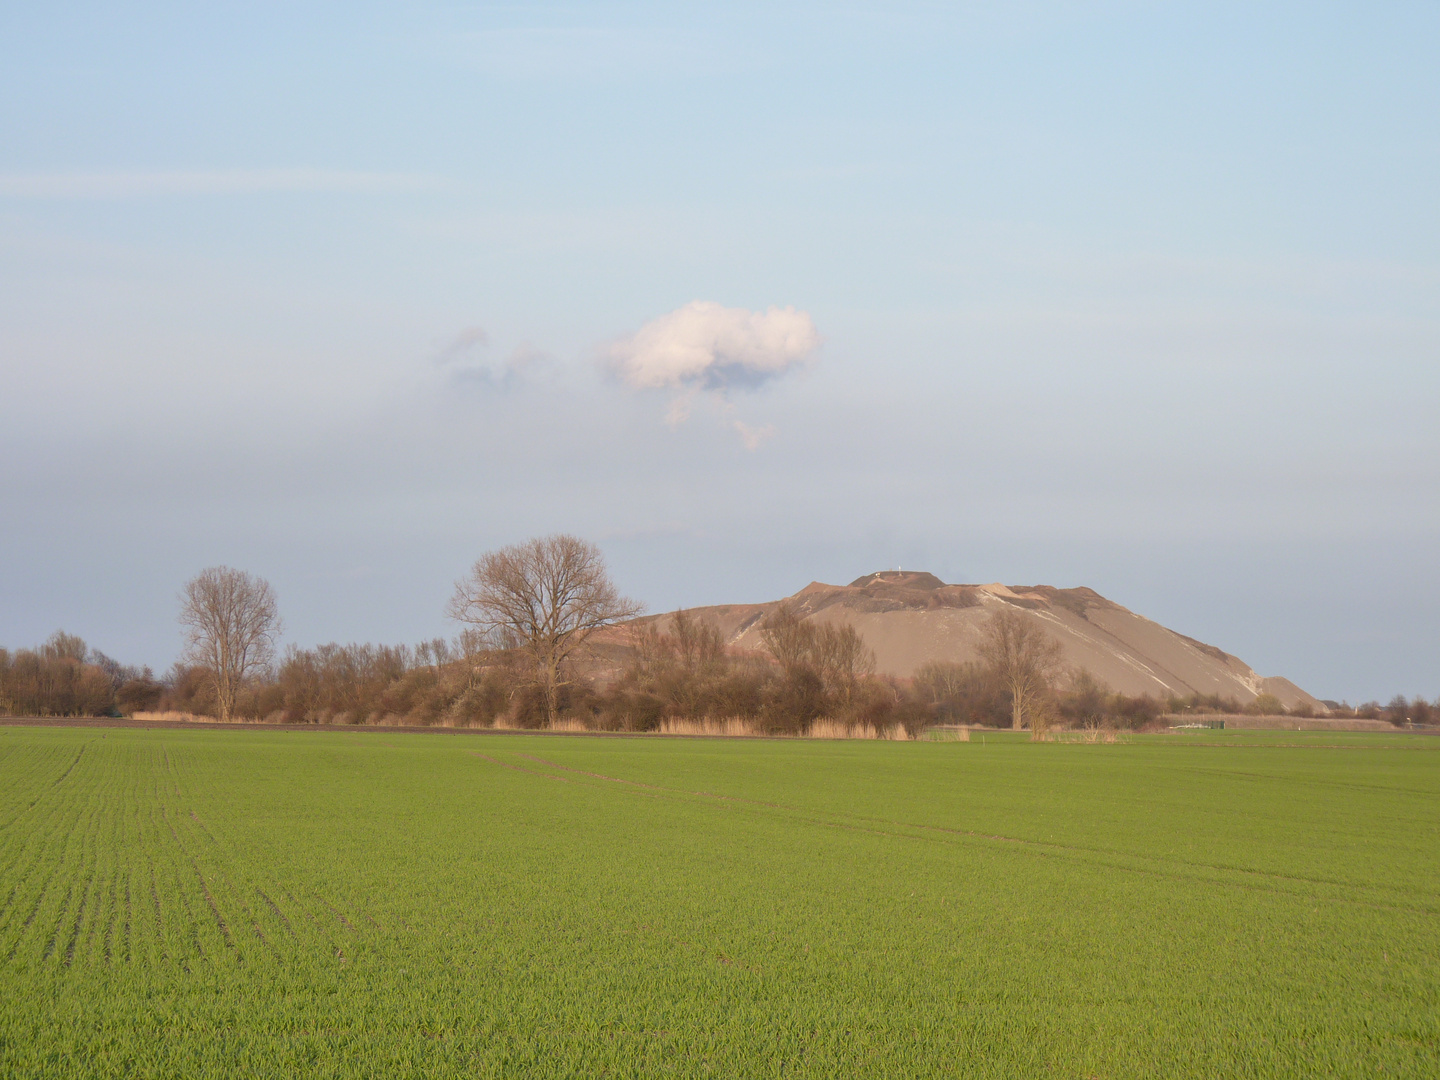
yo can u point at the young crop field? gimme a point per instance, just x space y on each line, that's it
275 903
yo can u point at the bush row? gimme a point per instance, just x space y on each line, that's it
806 673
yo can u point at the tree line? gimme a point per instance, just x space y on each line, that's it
523 659
65 677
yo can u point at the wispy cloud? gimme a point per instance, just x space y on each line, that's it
752 437
462 346
524 364
141 184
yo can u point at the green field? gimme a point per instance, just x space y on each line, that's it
298 903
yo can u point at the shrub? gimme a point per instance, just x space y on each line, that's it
1265 705
141 693
62 677
962 694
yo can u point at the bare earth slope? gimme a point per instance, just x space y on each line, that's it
910 618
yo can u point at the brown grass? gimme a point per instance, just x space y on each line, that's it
726 727
568 724
739 727
838 729
1089 735
185 717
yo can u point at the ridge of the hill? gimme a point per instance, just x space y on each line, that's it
911 617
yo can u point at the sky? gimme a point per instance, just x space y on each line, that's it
1143 297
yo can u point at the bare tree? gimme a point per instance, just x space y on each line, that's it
231 625
843 660
698 645
835 658
691 645
789 639
543 597
1023 658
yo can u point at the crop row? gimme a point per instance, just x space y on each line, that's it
102 860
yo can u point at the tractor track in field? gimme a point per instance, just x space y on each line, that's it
77 922
203 827
61 778
190 921
39 795
517 768
29 920
125 926
325 928
237 895
55 836
159 913
278 913
1396 901
338 914
205 891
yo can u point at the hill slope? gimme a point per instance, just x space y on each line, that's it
910 618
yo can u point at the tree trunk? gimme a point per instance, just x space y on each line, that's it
224 696
552 691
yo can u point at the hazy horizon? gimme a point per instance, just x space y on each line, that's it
1137 299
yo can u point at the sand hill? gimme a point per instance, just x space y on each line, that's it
910 618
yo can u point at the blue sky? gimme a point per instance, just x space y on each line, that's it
1135 296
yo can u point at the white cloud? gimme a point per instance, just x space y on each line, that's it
122 185
704 346
524 365
752 437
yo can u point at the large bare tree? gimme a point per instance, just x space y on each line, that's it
835 655
1022 657
231 624
544 597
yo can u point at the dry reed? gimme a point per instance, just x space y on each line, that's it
187 718
568 723
1088 735
945 734
1095 735
726 727
838 729
731 727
